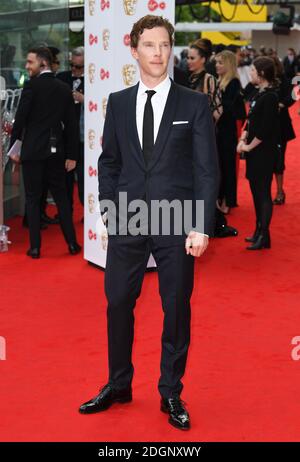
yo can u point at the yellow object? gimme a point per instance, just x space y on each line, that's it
227 38
242 14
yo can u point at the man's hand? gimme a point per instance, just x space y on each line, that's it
70 164
79 97
196 243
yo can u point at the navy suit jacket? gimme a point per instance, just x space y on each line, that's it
184 164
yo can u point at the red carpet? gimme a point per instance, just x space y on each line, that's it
241 382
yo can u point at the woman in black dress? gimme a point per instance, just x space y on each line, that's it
260 142
200 80
230 88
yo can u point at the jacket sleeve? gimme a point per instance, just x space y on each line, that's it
109 163
286 91
22 113
205 163
71 129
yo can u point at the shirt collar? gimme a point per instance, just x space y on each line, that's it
162 88
46 71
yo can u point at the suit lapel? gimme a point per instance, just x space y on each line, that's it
165 125
133 136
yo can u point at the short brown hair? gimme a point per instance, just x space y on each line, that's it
265 68
149 22
42 53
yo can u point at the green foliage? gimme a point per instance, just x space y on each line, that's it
198 13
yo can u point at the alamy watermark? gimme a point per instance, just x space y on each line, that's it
2 349
2 89
296 87
296 350
156 217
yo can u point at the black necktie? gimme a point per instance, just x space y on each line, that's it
148 127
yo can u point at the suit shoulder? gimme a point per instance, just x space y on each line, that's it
188 93
191 97
64 76
63 85
27 84
121 94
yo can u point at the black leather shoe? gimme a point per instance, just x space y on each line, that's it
33 253
262 242
255 235
178 415
74 248
48 220
226 231
105 399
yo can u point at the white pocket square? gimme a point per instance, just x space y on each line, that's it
179 122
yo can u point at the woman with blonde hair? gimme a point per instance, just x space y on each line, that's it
233 110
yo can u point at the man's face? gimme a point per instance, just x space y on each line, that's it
77 66
34 65
55 64
153 52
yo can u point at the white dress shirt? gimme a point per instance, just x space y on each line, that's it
158 103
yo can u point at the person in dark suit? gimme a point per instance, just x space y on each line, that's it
161 148
44 217
260 142
75 80
45 122
291 64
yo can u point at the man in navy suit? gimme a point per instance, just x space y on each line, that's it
158 144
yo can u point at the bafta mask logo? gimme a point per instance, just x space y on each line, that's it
92 171
105 39
154 5
93 39
91 138
92 235
104 107
126 40
92 72
104 74
92 7
91 203
92 106
129 7
129 73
